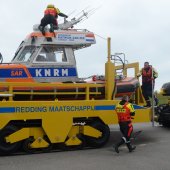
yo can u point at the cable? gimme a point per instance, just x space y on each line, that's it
101 37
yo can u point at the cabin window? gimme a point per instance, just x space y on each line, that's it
26 54
18 50
51 54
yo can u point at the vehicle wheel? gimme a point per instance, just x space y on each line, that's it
75 147
5 147
82 145
26 146
166 124
101 141
49 148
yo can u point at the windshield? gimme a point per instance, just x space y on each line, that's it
26 53
51 54
18 50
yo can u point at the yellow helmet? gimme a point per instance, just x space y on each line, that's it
50 6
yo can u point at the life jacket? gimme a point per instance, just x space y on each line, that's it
147 75
123 113
51 11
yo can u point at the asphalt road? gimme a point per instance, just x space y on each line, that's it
152 153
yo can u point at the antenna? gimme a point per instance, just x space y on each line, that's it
1 58
83 15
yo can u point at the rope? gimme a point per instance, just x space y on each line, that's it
101 37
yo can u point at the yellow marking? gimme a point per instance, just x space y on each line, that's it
121 110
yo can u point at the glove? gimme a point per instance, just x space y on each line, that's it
138 75
132 113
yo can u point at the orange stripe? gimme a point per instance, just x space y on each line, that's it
19 80
39 34
130 131
89 35
49 34
7 66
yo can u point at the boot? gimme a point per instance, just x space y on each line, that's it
119 144
130 147
43 31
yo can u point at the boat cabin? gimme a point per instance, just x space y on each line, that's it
48 58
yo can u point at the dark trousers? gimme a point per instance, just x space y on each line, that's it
147 90
147 93
126 129
48 19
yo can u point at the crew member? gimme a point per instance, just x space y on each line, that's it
149 74
124 111
50 17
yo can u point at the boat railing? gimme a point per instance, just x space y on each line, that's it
10 89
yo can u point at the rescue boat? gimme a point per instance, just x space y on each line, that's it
124 85
51 59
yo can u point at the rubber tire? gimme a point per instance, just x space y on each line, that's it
49 148
101 141
7 148
64 147
166 124
26 146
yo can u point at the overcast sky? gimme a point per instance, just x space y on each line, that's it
138 28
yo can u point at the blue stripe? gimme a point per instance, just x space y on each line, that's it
107 107
41 72
13 73
91 40
138 107
112 107
38 72
98 107
7 110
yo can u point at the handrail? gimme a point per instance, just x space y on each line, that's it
35 84
19 88
135 66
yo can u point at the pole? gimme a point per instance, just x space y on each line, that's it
153 110
108 49
109 74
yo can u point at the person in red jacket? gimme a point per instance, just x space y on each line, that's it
149 74
50 17
124 111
